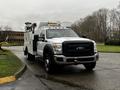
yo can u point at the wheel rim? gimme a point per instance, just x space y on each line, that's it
47 64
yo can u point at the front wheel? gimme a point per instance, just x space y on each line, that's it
90 66
49 66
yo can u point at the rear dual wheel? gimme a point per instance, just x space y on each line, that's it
30 57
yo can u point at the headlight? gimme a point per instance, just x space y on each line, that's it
57 48
95 47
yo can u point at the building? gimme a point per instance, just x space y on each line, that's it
12 37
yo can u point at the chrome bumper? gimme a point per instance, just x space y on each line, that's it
61 59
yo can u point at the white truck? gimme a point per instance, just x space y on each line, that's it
58 45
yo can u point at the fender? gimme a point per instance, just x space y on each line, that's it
48 48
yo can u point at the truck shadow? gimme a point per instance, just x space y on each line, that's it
60 70
63 74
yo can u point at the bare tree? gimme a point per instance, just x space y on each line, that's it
93 26
101 23
114 25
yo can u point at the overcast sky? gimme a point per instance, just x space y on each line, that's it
16 12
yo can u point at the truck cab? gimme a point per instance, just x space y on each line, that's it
58 45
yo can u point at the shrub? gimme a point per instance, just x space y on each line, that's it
112 42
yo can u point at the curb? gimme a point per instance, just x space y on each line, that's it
20 72
9 79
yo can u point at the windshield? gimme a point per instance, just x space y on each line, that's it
55 33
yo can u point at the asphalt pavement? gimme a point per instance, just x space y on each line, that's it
106 75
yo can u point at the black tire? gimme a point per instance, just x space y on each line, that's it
30 57
33 58
90 66
48 63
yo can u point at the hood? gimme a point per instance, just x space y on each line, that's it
62 39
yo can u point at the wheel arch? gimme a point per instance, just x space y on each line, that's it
47 49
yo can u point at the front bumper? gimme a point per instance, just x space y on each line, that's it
61 59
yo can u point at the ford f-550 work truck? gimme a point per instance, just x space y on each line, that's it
58 45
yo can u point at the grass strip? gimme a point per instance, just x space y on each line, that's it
9 64
108 48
